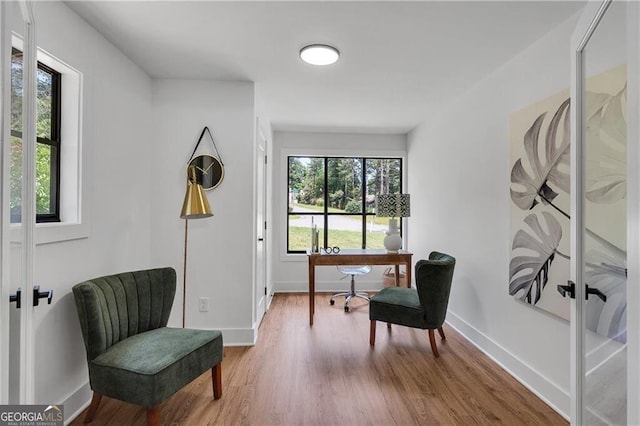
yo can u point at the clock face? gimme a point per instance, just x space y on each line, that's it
209 170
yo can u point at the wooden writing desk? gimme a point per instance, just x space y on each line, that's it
355 257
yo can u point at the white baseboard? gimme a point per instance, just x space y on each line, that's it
542 387
239 336
77 402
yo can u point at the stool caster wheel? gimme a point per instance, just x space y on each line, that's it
346 309
332 302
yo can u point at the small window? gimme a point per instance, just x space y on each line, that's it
337 194
48 103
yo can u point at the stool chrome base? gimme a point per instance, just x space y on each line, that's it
348 295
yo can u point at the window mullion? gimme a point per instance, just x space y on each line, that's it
326 202
363 194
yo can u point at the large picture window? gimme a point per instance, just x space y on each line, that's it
337 194
47 146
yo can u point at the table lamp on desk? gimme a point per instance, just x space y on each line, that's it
393 206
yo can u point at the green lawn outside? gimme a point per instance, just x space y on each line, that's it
300 239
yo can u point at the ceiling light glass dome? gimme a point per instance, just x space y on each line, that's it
319 54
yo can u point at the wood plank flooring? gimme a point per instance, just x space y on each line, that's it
328 375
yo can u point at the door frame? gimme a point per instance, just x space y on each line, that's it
633 212
5 102
585 27
28 225
261 295
25 349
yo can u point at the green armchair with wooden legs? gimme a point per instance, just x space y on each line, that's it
131 353
424 307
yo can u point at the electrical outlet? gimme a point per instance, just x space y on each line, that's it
204 304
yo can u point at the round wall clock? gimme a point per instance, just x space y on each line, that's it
209 170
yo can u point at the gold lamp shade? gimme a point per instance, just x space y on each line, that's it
195 205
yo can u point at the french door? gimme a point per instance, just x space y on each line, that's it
17 245
4 214
604 261
260 274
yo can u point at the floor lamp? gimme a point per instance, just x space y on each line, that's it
195 206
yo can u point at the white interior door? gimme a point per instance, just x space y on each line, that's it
599 162
261 232
5 54
17 252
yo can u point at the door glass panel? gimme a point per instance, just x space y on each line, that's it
605 221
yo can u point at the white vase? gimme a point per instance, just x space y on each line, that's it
393 240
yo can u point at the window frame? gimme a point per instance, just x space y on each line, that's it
54 142
325 212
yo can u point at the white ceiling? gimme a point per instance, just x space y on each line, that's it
400 61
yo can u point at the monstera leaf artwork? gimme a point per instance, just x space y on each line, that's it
529 273
528 186
607 272
540 202
606 147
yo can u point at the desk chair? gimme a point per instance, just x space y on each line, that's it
348 295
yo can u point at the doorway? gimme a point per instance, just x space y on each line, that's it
260 274
604 211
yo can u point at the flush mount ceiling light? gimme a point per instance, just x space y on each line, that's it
319 54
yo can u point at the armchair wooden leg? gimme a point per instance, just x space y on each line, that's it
95 402
389 325
441 331
216 378
372 333
432 340
153 416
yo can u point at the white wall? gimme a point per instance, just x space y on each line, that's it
220 248
290 272
459 181
116 141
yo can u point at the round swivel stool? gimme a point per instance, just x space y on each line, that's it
348 295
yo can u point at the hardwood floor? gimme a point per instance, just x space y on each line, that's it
329 375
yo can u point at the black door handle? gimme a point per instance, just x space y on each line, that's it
15 298
260 239
570 289
595 292
37 295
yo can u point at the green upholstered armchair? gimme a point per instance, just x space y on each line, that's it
424 308
131 353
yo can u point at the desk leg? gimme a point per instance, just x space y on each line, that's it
397 265
409 274
312 292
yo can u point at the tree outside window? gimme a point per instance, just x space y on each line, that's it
337 194
47 146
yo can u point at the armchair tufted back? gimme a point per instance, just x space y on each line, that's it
114 307
433 280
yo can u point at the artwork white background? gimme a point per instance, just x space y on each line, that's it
519 123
